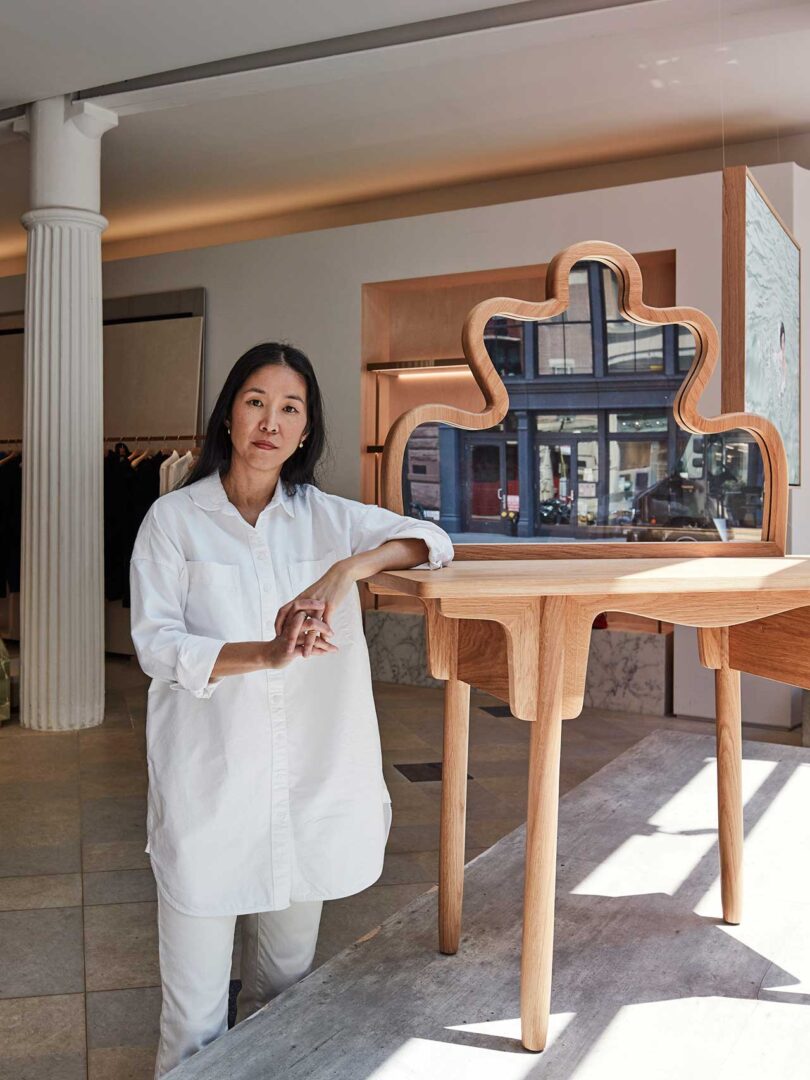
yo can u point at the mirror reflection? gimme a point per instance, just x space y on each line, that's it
590 449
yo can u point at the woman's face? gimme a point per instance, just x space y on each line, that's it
269 417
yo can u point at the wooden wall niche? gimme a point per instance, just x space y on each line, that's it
415 324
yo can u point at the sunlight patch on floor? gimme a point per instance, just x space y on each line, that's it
417 1059
510 1029
684 829
704 1038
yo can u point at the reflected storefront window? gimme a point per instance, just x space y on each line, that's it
565 343
638 421
630 347
635 466
504 342
553 478
567 470
587 502
575 423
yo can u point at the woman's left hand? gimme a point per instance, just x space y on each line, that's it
332 588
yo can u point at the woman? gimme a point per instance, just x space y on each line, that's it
266 794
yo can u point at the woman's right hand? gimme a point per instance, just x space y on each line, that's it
302 634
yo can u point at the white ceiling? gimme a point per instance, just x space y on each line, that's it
57 48
604 85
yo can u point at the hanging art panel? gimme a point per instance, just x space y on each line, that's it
761 358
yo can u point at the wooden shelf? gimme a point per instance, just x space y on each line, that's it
416 365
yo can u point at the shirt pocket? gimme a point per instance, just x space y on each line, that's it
303 572
213 597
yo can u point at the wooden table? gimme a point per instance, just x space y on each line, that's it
521 631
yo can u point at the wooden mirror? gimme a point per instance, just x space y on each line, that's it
591 441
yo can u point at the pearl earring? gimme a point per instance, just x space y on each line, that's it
227 427
300 444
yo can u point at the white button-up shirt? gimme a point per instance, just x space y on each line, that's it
264 788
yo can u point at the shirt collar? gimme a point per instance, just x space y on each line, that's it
209 494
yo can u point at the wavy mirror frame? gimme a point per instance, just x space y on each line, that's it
685 408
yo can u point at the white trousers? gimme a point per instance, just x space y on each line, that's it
278 948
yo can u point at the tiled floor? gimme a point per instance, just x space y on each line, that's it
79 994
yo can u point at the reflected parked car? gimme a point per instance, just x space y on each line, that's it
676 508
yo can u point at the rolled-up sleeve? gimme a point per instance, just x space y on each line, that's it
375 525
159 585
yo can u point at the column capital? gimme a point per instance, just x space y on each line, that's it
91 120
66 151
64 215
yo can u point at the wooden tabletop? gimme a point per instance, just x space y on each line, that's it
584 577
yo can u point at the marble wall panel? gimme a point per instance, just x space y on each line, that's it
630 672
396 646
626 672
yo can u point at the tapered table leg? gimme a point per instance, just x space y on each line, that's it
729 789
541 835
454 812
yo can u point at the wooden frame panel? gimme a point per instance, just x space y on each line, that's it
772 647
685 408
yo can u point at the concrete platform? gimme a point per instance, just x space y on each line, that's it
648 982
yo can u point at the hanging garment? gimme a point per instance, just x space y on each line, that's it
179 470
144 489
264 788
164 472
129 491
118 476
5 683
10 524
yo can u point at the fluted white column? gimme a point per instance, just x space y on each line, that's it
62 587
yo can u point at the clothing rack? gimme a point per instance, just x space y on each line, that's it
128 438
152 438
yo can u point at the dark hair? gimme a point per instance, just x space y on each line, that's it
300 467
782 335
